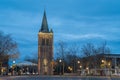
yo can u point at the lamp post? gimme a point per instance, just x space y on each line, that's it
81 69
78 68
109 66
13 62
70 68
87 68
105 65
60 65
13 67
78 62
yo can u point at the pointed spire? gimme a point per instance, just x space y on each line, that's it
44 26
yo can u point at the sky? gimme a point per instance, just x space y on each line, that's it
73 21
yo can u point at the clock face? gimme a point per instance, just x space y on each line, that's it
45 61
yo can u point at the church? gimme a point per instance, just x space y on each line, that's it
45 48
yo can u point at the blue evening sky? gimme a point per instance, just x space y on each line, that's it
78 21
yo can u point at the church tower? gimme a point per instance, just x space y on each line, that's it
45 48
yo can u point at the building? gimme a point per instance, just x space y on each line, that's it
25 67
101 64
45 48
111 64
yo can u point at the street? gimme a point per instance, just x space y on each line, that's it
57 78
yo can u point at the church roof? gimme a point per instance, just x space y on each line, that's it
26 63
44 26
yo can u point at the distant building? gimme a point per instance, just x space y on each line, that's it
112 63
45 48
25 67
101 64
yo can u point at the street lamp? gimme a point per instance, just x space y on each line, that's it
109 64
105 65
60 65
102 61
80 66
60 60
81 69
70 68
78 62
13 62
13 67
87 68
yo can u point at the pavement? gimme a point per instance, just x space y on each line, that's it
58 78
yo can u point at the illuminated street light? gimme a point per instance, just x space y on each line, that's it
106 65
80 66
13 62
109 64
60 60
13 68
87 68
103 61
69 67
78 62
60 65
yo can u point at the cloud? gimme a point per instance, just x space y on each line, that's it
23 26
79 37
72 20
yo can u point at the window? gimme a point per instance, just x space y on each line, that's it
47 41
43 41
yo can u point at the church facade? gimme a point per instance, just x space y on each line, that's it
45 48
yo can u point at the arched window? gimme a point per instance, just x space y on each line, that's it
43 41
47 41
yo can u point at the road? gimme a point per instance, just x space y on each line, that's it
57 78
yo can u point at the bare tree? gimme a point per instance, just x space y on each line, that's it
103 49
88 51
68 55
61 52
91 54
73 52
8 48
